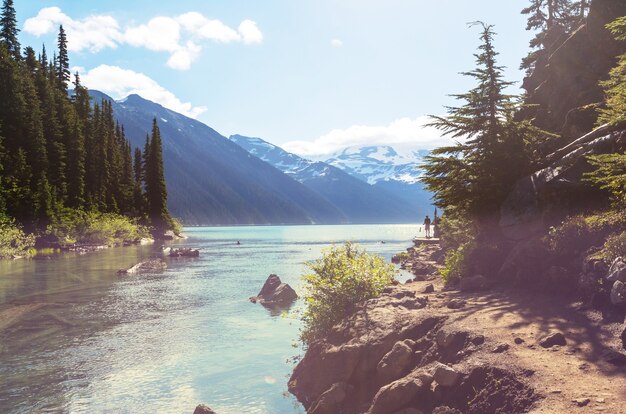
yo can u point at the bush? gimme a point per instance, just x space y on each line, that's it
456 264
345 276
79 227
578 233
13 241
614 247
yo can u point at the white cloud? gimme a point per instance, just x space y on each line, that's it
403 133
336 43
160 34
93 33
119 83
180 36
250 33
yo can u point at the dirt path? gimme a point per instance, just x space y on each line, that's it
567 375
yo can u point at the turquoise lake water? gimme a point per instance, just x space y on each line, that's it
163 343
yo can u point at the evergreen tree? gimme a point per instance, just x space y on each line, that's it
472 177
615 86
551 19
63 60
156 191
9 30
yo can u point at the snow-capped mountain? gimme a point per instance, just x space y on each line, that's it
359 201
374 164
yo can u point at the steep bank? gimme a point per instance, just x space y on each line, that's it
387 357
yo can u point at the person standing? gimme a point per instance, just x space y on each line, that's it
427 227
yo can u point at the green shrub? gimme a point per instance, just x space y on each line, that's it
345 276
578 233
79 227
456 264
13 241
614 247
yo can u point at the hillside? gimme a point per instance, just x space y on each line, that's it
212 181
359 201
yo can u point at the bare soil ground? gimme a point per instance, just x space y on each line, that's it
565 376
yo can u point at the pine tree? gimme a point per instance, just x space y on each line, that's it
615 86
472 177
156 191
551 19
9 30
63 60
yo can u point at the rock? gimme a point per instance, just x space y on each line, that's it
518 340
478 340
555 338
446 376
450 343
429 288
500 348
618 293
275 293
617 271
581 402
623 337
394 363
446 410
473 283
152 265
203 409
330 401
456 304
187 252
400 393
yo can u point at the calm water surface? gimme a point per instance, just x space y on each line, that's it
85 340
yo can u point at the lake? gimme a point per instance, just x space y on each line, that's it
86 340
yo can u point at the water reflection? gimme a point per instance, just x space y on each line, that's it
77 337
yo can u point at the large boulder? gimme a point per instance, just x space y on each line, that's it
275 293
537 198
203 409
395 362
617 271
400 393
618 293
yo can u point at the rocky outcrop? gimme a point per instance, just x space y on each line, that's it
275 293
565 84
537 199
394 355
152 265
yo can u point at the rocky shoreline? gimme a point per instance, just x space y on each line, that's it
424 348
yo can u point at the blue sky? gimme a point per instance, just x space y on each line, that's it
311 75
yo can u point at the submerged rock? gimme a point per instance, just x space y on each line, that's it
275 293
188 252
152 265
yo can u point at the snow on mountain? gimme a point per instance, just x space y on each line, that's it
374 164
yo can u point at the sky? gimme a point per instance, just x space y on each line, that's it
312 76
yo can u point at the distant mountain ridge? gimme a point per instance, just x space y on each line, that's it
213 181
352 194
379 163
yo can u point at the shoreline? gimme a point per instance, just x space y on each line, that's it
421 346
